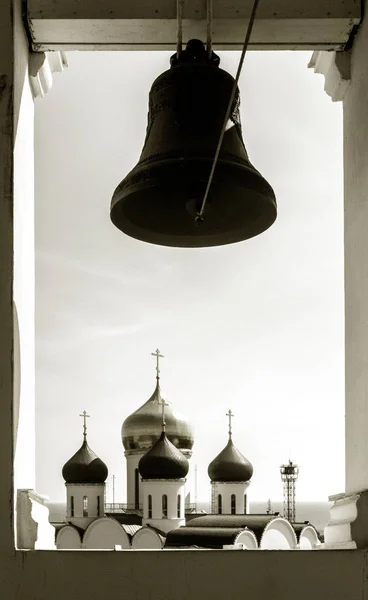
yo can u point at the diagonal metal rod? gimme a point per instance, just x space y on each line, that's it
199 216
209 28
179 18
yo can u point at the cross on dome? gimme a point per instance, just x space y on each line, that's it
163 404
85 417
230 415
158 356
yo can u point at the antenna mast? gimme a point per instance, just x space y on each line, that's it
289 475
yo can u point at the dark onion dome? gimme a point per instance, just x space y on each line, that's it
230 465
163 461
85 467
142 429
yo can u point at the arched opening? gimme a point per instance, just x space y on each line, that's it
219 504
150 506
72 506
164 506
179 506
245 504
98 506
233 504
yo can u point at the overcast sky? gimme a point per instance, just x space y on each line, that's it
255 326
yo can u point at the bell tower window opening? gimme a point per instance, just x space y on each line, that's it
233 504
149 506
219 504
164 506
72 506
85 506
179 506
98 506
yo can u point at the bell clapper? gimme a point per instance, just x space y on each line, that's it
198 219
233 92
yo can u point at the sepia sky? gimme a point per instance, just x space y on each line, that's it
255 326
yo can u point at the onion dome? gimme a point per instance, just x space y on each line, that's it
85 466
230 465
163 461
142 429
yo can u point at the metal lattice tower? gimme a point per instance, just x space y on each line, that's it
289 475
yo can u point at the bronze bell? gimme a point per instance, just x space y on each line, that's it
159 199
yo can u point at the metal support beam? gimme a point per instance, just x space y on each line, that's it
151 24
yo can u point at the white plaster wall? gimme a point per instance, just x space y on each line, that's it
226 489
105 533
278 535
132 461
68 539
78 491
356 266
146 539
24 270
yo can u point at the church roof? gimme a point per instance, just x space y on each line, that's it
163 461
255 523
230 465
299 527
85 467
129 529
203 537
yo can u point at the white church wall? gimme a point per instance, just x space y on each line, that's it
278 535
105 533
68 538
147 539
226 489
157 488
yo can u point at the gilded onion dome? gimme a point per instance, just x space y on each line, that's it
163 461
85 466
142 429
230 464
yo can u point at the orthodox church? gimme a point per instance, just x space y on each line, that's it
158 444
